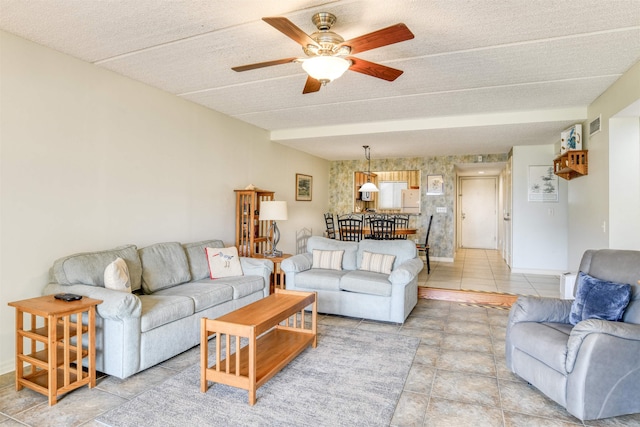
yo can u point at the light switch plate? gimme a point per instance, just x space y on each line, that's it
441 209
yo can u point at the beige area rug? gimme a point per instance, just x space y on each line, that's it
352 378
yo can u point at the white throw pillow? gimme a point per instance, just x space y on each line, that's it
331 260
223 262
116 276
377 263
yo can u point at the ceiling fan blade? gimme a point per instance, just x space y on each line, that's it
263 64
290 30
386 36
312 85
375 70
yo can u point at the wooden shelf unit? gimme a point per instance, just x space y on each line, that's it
571 164
276 332
251 233
51 362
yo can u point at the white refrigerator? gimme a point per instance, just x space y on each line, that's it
411 201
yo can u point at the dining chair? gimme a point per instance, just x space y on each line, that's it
367 233
350 228
425 247
401 221
382 229
331 227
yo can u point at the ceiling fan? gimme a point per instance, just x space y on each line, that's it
328 55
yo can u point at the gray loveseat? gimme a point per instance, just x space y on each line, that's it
593 368
354 292
172 291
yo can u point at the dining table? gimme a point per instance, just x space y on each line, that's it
398 231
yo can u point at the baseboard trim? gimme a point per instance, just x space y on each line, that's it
534 271
469 297
440 259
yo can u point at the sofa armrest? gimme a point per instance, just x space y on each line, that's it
115 304
406 272
625 331
257 267
539 309
297 263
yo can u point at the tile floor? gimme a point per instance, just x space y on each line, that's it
458 376
485 270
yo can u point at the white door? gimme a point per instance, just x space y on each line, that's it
478 212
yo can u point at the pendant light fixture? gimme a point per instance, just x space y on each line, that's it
368 187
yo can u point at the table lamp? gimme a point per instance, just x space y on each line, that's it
273 211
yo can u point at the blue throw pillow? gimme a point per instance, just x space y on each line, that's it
599 299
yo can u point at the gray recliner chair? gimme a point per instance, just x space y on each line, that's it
592 368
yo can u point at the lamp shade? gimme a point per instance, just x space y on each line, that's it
273 211
369 187
326 68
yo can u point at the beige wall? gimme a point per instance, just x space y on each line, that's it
588 197
90 160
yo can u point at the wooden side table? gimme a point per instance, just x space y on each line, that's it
52 362
277 278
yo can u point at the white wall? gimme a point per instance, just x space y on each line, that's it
589 204
624 183
90 160
539 228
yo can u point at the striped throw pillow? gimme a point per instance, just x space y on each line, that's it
377 263
331 260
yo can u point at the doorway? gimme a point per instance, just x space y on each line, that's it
478 212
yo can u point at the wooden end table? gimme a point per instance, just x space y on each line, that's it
277 279
57 368
276 332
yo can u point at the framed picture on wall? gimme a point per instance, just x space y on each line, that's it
543 184
435 185
304 186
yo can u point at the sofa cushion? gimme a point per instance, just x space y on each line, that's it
203 294
320 279
223 262
159 310
163 265
197 258
546 342
377 263
241 285
87 268
403 250
331 260
366 282
350 249
599 299
116 276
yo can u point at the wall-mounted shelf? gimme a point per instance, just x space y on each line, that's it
571 164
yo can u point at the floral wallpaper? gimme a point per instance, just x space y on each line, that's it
441 238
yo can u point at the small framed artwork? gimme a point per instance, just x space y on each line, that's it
304 185
543 184
435 185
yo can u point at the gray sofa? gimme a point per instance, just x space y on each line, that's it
171 292
593 368
354 292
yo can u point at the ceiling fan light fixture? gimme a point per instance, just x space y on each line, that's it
326 68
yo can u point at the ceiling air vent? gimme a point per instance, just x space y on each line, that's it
594 125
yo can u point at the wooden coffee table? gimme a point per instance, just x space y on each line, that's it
276 333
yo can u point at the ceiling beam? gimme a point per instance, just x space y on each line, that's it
446 122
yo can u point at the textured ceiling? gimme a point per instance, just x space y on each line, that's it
479 76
